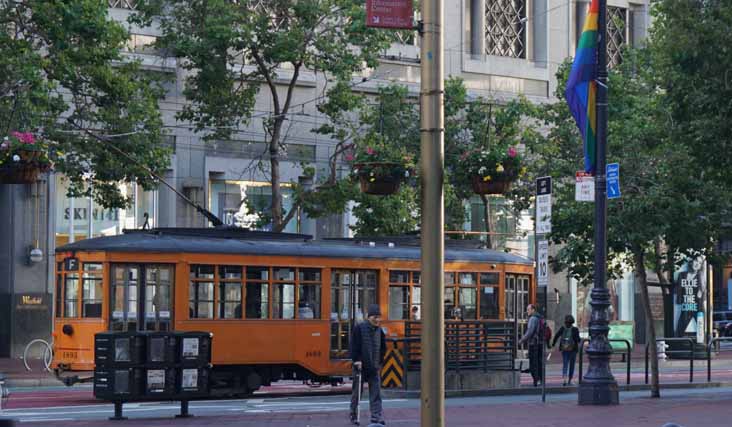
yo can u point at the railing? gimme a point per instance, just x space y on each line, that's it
469 345
690 352
709 353
626 354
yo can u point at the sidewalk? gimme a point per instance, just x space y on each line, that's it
17 376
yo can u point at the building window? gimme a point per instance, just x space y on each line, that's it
82 218
201 292
141 43
237 202
505 28
91 299
123 4
617 35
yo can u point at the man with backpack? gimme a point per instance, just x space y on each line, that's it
535 336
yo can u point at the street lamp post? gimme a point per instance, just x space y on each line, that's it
432 230
598 386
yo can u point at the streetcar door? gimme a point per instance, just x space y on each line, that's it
517 298
351 293
158 296
141 297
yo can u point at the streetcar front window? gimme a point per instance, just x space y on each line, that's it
71 295
91 303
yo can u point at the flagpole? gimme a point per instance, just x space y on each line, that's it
598 386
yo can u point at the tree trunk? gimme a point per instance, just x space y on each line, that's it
641 279
487 218
274 164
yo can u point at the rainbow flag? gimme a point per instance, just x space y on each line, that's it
582 86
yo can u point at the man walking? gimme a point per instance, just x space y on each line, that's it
535 337
368 346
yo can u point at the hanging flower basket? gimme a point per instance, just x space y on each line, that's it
380 178
493 186
22 173
29 155
23 157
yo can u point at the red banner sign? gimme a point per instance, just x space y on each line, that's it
389 14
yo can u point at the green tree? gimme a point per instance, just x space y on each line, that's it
391 116
692 57
63 77
232 50
667 209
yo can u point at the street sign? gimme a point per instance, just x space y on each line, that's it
584 187
544 205
612 172
543 186
542 263
389 14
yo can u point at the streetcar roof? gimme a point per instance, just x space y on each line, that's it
162 241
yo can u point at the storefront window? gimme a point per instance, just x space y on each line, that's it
84 218
236 202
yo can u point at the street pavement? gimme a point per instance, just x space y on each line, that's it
689 408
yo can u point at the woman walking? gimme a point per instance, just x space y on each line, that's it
569 342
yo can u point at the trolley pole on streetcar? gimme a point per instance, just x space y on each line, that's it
433 230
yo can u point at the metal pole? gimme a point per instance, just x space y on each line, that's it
599 386
433 233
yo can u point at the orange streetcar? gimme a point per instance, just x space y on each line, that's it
280 306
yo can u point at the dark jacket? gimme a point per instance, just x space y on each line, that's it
575 336
368 345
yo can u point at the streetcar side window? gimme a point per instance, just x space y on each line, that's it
59 295
404 295
254 292
201 292
91 295
489 296
257 302
230 295
283 294
468 295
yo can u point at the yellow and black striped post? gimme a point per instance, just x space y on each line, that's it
392 373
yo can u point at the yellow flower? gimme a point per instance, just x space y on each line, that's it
487 178
523 170
499 168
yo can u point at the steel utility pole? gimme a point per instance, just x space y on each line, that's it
599 387
433 230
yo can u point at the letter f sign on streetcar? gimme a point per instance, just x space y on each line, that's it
544 205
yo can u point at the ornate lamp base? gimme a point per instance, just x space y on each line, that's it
598 394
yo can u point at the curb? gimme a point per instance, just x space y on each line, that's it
528 391
30 382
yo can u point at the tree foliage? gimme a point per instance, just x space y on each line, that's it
232 50
64 78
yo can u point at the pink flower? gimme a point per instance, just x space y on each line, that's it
512 152
24 137
370 151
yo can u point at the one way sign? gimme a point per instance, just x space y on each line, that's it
612 173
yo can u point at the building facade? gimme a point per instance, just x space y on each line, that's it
500 48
